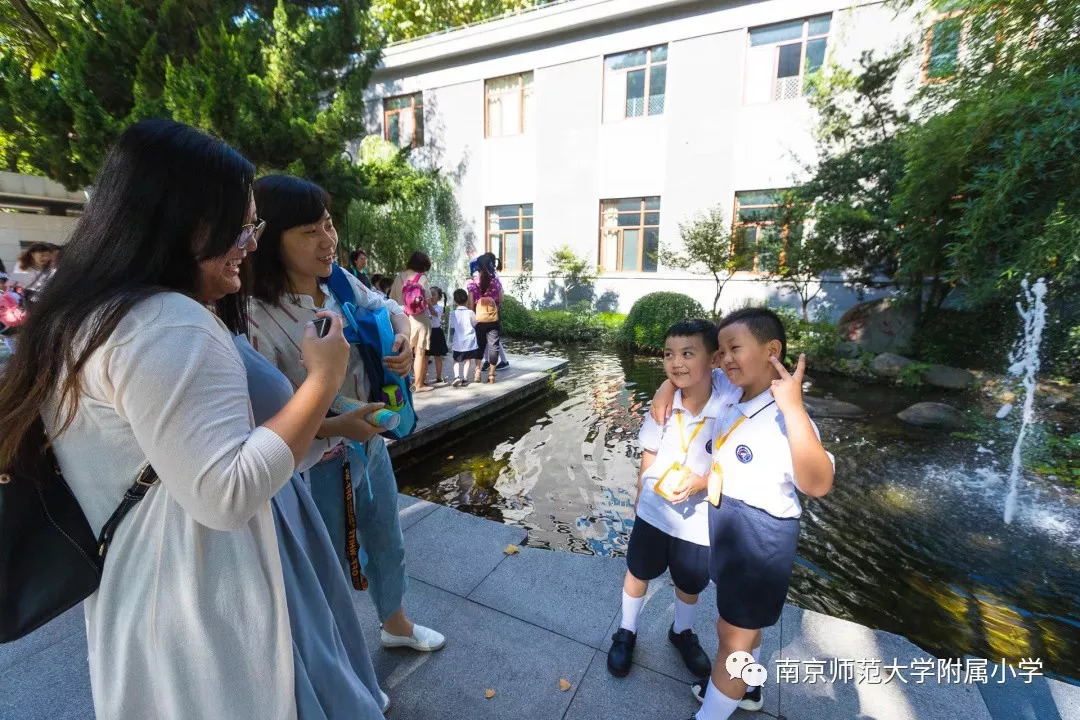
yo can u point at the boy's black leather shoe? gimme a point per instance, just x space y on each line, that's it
686 642
621 653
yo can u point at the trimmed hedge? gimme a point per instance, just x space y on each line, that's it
651 317
558 325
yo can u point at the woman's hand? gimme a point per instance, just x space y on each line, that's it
325 357
401 363
662 403
352 424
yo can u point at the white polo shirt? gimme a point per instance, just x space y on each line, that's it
756 457
691 446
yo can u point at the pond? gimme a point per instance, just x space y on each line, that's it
910 540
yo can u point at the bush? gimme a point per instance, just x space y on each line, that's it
651 317
516 318
576 325
816 339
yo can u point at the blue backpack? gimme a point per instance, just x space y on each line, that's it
373 335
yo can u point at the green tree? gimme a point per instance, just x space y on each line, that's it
406 19
280 81
708 246
576 273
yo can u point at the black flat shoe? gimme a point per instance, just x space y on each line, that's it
695 659
621 654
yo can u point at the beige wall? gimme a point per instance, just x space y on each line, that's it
16 228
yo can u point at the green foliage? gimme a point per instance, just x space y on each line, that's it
708 247
1058 456
579 324
652 315
817 339
406 19
408 210
576 273
280 81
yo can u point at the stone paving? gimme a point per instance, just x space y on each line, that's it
519 623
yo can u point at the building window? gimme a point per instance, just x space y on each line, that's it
754 212
510 235
944 42
783 57
635 83
630 234
508 105
403 120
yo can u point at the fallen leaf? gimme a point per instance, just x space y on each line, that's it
564 684
511 550
489 693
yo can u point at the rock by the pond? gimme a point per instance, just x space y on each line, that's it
889 365
877 326
934 415
534 349
829 408
847 350
548 343
949 378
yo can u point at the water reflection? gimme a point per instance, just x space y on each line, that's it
911 539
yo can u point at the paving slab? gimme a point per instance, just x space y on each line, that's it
71 624
807 635
411 510
53 684
573 595
447 408
485 649
1041 699
642 695
456 551
655 652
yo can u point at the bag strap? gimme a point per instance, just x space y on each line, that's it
340 287
146 480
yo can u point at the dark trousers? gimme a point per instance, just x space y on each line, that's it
487 339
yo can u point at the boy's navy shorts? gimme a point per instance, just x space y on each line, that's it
651 551
753 553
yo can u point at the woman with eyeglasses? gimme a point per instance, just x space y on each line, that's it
126 366
288 289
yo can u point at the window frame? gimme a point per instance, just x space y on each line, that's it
521 103
521 216
412 108
759 225
641 227
928 42
622 73
804 40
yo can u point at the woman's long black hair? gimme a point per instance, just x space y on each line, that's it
284 202
166 197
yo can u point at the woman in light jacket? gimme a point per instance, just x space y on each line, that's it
297 252
127 366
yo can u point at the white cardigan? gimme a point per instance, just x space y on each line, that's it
190 619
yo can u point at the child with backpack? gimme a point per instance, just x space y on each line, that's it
410 290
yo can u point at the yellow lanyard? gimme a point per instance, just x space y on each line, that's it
716 474
668 489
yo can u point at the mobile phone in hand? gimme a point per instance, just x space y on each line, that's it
322 326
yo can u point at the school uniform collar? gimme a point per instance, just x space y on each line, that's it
756 404
712 407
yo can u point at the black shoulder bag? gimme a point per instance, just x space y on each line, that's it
50 560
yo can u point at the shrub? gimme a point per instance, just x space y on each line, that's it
651 317
516 318
577 325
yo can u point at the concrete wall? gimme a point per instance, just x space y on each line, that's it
709 144
16 228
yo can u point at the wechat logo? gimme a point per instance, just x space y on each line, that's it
741 665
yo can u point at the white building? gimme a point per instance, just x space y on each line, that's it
603 124
34 209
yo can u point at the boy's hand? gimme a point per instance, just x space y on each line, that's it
693 484
662 403
787 391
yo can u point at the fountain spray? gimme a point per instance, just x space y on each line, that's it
1025 364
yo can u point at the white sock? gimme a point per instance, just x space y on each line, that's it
717 705
631 607
756 652
684 615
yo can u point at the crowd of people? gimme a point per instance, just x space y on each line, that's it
194 334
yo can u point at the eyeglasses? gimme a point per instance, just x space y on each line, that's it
249 232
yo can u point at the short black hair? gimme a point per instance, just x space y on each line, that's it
355 254
763 324
419 262
689 328
461 297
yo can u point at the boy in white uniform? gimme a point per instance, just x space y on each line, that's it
671 530
465 347
765 449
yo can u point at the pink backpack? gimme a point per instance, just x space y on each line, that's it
12 310
412 295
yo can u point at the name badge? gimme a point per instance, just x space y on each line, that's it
672 480
716 484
